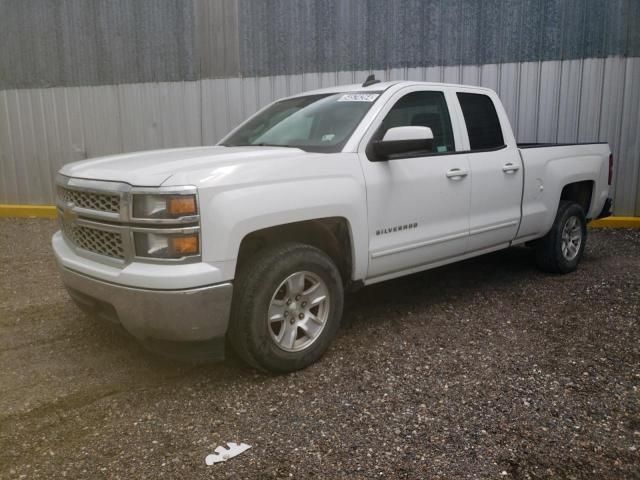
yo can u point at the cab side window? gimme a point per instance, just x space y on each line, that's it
424 109
482 121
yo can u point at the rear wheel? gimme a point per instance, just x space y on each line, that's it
287 307
560 250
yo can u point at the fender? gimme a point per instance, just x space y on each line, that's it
234 213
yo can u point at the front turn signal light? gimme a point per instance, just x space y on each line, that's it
169 246
184 245
182 205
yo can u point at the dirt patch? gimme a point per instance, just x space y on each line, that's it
484 369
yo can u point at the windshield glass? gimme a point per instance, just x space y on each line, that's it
319 123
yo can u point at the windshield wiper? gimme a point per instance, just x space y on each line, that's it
260 145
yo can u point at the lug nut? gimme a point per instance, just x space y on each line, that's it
301 316
286 314
297 297
292 321
304 304
288 301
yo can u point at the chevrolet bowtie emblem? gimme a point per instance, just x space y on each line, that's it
68 214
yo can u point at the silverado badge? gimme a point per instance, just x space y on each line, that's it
397 228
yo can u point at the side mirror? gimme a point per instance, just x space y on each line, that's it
399 140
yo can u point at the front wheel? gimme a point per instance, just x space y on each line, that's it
287 307
560 250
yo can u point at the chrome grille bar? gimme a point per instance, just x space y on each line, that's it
101 202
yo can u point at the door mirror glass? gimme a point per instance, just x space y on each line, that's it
403 140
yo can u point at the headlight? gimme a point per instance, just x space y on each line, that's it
164 206
166 245
168 224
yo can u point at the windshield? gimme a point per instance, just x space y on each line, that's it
318 123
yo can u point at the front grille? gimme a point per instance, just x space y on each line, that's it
93 240
94 201
96 221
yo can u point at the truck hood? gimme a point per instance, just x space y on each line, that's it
154 168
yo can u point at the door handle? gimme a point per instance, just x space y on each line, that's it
456 173
510 168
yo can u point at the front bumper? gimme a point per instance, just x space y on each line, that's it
179 311
187 324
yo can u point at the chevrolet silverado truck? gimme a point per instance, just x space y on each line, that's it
251 243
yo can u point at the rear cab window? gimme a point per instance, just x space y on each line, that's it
481 118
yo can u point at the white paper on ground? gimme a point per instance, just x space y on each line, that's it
223 454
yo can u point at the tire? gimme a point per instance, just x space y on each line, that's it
282 282
560 250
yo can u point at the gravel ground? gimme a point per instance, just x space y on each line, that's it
484 369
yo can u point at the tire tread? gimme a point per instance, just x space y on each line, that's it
548 255
247 287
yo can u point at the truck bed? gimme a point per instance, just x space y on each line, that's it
550 166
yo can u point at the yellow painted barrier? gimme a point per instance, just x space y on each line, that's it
49 211
29 211
616 222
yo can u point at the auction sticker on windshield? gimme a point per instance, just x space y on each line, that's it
358 97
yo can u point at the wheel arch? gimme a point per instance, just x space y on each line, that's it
332 235
579 192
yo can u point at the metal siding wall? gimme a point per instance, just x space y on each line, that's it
289 37
104 42
570 101
42 129
78 42
628 177
558 66
217 38
159 115
548 101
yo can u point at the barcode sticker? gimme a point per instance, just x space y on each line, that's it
358 97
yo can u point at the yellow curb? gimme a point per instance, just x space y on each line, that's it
616 222
30 211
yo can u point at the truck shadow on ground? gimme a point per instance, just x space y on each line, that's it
446 284
367 307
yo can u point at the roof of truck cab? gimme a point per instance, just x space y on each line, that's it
382 86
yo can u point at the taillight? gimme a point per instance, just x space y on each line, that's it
610 167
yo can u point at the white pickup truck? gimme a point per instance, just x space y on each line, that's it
253 242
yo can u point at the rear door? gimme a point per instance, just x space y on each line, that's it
496 173
418 205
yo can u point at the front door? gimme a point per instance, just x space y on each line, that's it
418 204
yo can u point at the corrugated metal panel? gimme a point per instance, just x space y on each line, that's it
508 89
570 101
217 38
42 129
159 115
590 93
611 120
286 37
549 101
78 42
628 177
8 178
528 102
